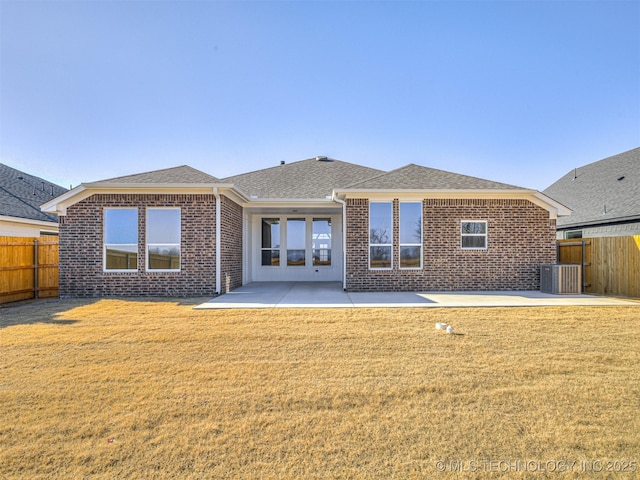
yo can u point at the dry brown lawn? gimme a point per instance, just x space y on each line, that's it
155 389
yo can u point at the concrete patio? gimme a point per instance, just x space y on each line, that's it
331 295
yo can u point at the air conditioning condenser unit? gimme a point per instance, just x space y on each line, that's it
561 279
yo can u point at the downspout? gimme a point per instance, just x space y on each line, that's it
218 255
335 198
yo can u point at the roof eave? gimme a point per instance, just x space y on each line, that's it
30 221
60 204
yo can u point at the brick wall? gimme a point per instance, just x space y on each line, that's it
520 238
81 248
230 244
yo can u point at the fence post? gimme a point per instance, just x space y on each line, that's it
35 267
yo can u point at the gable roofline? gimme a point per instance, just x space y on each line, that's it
418 174
22 193
183 174
60 204
555 209
28 221
601 192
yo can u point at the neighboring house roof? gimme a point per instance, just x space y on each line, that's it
312 178
22 194
177 175
416 177
606 191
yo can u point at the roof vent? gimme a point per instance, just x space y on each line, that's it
322 158
621 178
281 162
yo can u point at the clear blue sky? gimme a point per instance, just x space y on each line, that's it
513 91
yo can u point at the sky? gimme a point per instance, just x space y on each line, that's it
519 92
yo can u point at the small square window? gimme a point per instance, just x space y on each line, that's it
474 235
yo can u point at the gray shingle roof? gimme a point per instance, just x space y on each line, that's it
416 177
22 194
306 179
598 184
176 175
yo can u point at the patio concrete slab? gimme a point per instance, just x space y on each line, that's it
331 295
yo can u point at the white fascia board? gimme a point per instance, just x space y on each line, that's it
39 223
60 204
554 208
230 191
440 193
292 202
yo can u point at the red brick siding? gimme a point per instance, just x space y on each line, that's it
520 238
81 248
231 244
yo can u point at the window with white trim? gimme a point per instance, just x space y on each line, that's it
410 235
270 250
473 234
120 252
163 239
380 235
296 242
321 241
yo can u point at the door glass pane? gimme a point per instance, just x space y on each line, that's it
270 233
295 233
321 241
270 258
296 242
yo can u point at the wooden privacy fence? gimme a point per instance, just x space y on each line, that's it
610 265
28 268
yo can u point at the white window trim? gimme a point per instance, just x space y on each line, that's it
147 245
305 249
310 221
400 245
379 244
308 241
271 249
107 245
485 234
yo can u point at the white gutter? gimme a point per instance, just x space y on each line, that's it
335 198
218 255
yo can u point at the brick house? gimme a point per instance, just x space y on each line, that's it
182 232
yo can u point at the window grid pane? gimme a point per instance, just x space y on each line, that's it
321 242
410 235
270 242
474 235
120 239
163 239
380 234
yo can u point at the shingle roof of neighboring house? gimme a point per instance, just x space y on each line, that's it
22 194
416 177
176 175
306 179
611 185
